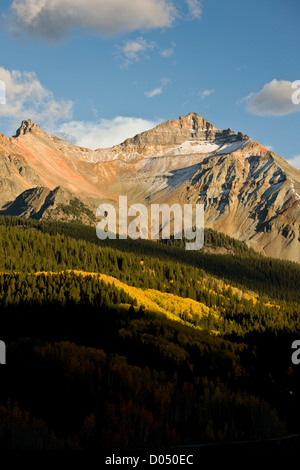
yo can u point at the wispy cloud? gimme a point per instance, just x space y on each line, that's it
165 81
132 50
269 147
26 98
167 52
158 90
275 99
295 161
203 94
195 8
104 132
245 99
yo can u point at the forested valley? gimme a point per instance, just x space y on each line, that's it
123 344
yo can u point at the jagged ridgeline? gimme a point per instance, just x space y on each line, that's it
248 192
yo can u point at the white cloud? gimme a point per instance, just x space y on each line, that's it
26 98
56 18
167 52
133 50
269 147
275 99
2 92
195 8
295 161
156 91
165 81
103 133
203 94
245 99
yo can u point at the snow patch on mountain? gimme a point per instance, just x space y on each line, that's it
233 146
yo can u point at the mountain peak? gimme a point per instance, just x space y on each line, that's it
194 117
247 192
188 128
191 121
28 126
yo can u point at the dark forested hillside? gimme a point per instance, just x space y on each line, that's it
121 344
27 245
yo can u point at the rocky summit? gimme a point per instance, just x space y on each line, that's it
248 192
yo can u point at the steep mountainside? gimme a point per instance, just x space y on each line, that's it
248 192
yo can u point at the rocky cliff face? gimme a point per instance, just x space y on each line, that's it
192 127
29 127
248 192
188 134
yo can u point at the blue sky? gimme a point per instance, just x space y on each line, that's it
97 71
